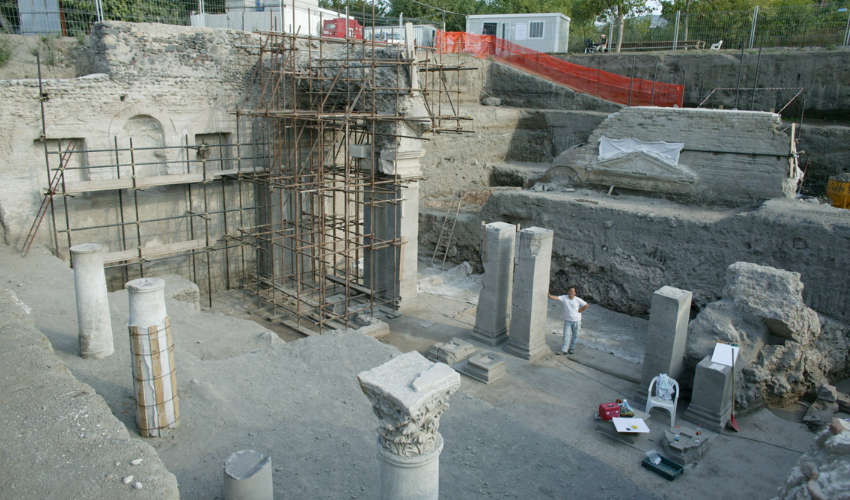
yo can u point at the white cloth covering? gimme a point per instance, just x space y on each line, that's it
667 152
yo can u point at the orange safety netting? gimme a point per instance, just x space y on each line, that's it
609 86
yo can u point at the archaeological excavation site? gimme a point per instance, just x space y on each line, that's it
272 263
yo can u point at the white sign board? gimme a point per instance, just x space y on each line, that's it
724 354
628 425
521 31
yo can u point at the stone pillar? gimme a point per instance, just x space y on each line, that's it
152 356
409 394
494 302
92 301
408 231
530 294
248 476
711 400
666 338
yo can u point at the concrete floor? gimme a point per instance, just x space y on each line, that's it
530 434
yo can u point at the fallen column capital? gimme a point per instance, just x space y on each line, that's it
408 395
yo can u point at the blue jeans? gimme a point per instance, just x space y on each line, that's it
571 329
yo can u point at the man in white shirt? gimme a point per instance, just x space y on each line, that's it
574 306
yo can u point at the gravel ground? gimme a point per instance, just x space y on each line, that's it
241 388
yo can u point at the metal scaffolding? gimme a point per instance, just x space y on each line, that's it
319 249
287 211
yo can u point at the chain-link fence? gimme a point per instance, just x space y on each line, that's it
75 17
777 26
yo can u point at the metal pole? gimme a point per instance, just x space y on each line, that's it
632 82
654 76
847 30
755 83
676 30
740 70
47 155
755 21
802 110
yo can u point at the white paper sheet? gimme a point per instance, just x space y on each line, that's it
723 354
630 425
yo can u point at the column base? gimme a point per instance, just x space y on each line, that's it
641 395
709 419
490 338
529 353
410 478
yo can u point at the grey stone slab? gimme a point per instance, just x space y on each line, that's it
530 294
485 368
690 447
711 400
451 352
666 338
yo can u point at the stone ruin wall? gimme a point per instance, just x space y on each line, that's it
163 83
718 147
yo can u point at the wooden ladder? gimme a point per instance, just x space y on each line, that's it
64 159
445 239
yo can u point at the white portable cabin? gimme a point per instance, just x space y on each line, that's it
540 32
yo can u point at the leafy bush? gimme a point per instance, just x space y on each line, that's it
5 51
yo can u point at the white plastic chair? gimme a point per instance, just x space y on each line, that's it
716 46
653 401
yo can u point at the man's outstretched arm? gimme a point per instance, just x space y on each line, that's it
553 297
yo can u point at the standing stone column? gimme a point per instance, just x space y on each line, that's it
494 302
666 338
530 294
248 476
152 355
409 394
711 399
92 301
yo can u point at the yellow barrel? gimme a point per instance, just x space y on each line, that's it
838 191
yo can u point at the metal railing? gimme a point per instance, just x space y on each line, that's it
776 26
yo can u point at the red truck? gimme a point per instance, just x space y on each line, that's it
335 28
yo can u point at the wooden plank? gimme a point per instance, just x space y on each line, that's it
297 328
156 251
150 181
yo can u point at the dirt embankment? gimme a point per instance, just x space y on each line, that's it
59 56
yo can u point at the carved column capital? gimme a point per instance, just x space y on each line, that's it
408 395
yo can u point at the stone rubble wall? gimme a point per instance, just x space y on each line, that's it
618 251
182 83
718 147
824 472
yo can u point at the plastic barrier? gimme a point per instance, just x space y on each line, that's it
608 86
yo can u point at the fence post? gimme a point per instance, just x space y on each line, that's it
676 31
847 30
654 76
755 21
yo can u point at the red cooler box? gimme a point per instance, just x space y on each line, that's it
609 410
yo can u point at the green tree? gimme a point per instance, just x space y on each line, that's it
617 10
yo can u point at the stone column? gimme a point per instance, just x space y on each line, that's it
530 294
711 400
92 301
248 476
408 230
494 302
409 394
666 338
152 356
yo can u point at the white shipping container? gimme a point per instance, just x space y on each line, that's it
541 32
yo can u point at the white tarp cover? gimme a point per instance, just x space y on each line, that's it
667 152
